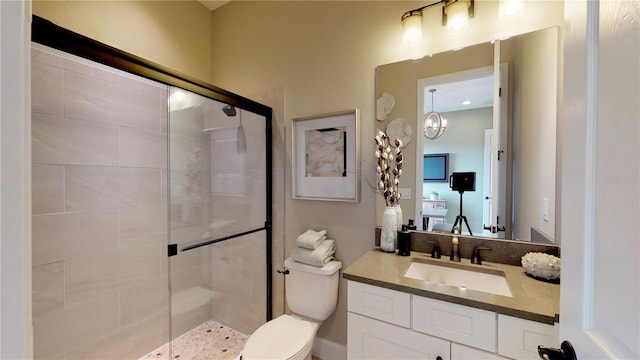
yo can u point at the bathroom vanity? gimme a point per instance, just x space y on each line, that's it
401 308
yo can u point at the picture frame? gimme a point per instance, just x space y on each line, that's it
326 156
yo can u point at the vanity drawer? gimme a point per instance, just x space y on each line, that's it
462 324
371 339
519 338
383 304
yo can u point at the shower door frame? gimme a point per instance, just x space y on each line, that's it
47 33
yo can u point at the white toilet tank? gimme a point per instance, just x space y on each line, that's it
312 291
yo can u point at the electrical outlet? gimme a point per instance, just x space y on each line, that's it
405 193
545 209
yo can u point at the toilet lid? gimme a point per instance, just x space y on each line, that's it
280 338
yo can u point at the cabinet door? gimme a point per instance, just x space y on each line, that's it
372 339
519 338
461 352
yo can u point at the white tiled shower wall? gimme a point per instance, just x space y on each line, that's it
99 143
100 271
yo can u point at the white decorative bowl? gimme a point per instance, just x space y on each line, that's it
541 265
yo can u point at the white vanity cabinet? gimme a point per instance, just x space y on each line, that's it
379 327
368 338
390 324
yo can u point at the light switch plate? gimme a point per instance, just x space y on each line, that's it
405 193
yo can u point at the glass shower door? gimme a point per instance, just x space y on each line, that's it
219 232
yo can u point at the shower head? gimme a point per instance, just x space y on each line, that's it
229 110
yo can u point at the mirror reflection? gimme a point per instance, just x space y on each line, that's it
510 116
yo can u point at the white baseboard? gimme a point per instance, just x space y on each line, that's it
329 350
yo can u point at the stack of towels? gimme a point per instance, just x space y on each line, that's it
314 248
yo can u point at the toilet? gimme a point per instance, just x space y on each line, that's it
312 294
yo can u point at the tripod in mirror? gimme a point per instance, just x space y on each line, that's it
461 182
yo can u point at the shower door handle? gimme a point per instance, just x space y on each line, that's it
224 238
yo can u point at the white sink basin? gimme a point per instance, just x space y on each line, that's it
492 281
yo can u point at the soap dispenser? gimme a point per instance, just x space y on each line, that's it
404 241
455 255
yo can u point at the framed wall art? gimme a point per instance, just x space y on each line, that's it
326 156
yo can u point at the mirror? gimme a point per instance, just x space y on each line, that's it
515 194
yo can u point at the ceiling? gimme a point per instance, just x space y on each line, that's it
213 4
449 96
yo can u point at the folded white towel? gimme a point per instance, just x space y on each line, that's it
320 256
310 239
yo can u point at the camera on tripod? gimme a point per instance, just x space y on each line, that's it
462 181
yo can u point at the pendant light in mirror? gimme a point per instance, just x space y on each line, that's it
434 124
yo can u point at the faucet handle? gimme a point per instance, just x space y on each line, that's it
475 257
435 253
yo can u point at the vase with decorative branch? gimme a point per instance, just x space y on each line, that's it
389 163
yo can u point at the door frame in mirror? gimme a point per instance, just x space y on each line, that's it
420 139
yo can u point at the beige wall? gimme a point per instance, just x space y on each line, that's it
325 55
319 57
175 34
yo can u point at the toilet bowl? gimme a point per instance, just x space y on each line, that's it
312 294
285 337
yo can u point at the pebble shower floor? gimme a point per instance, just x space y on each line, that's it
209 341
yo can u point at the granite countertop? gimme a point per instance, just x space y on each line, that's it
532 299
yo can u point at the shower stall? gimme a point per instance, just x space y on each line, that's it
151 207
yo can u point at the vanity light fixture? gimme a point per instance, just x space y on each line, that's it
412 25
455 15
434 124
